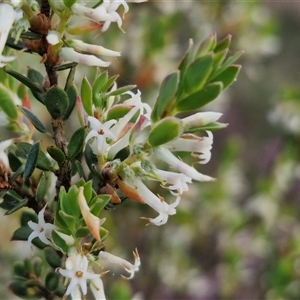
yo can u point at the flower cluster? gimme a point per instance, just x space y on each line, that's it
108 137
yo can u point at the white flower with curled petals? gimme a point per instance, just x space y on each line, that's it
167 156
42 230
199 146
107 258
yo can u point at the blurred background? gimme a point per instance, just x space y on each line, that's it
239 237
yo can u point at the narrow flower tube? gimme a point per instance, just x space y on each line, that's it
92 49
79 25
69 54
98 14
167 156
163 208
108 258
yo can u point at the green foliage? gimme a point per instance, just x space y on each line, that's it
165 131
33 119
57 102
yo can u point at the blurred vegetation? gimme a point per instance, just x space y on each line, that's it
239 237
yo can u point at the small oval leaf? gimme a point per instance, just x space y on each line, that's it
52 258
197 74
165 131
166 95
56 153
76 143
196 100
56 101
31 160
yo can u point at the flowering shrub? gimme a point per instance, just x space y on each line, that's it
117 146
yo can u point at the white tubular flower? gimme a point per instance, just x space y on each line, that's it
163 208
77 271
177 181
101 132
108 258
80 24
200 119
98 14
92 49
42 230
195 144
97 288
167 156
69 54
7 17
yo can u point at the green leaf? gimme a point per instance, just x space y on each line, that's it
166 96
82 232
59 242
72 95
98 203
52 280
76 143
52 257
25 80
195 101
219 58
88 191
86 96
42 188
7 103
69 203
22 234
28 216
98 87
36 77
31 160
10 200
118 111
185 60
226 64
223 44
33 119
43 162
165 131
56 154
67 66
69 220
91 159
18 206
19 269
56 101
14 161
229 75
37 266
207 45
110 82
197 74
